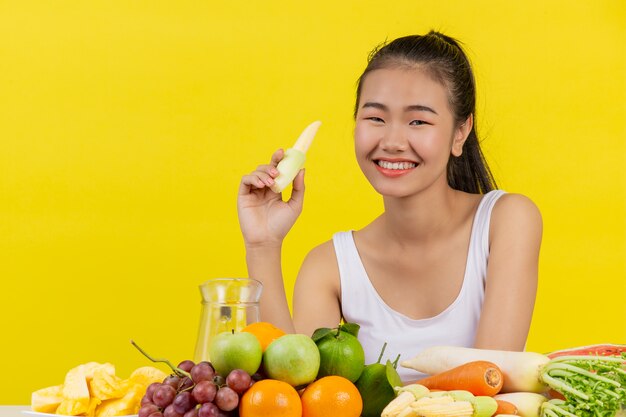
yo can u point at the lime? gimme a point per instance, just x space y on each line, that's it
341 352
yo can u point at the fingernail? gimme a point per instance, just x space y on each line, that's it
274 171
269 181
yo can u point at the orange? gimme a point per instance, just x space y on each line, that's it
270 397
331 396
265 332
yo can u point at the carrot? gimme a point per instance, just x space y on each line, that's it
477 377
505 407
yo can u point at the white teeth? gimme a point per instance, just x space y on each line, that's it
396 165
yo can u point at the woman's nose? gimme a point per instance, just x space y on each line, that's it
394 140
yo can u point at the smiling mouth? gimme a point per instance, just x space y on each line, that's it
395 166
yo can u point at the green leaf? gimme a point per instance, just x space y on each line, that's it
392 375
351 328
321 333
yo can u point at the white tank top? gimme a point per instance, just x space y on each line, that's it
456 325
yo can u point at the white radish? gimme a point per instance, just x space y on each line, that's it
294 158
521 370
528 404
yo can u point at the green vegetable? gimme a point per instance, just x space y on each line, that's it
592 386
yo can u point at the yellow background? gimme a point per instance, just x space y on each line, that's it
125 127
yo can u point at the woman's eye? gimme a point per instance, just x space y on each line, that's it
375 119
417 122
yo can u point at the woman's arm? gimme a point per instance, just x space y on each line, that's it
316 298
264 264
511 287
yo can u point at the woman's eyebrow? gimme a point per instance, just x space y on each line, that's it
413 107
419 107
374 105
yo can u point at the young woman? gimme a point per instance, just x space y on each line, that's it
450 261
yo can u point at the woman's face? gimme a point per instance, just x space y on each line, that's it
405 131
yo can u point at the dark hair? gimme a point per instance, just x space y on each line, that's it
444 60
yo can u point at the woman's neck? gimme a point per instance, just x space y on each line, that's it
419 218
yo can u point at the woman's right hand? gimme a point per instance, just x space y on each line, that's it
264 217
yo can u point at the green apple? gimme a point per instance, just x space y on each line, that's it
235 350
292 358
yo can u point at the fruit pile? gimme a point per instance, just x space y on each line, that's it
260 371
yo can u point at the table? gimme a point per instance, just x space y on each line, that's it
13 410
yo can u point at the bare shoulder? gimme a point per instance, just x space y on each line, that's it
323 250
516 213
321 260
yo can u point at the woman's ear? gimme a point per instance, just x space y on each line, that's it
460 135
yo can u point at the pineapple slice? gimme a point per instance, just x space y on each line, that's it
93 403
105 385
146 375
75 393
90 368
128 404
47 400
72 408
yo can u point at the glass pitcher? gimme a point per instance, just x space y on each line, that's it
227 304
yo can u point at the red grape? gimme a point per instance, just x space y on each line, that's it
163 396
173 381
156 414
192 413
208 410
226 399
171 412
204 392
185 384
145 400
186 365
202 371
146 410
238 380
183 402
151 388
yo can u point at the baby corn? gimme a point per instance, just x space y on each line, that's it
416 401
